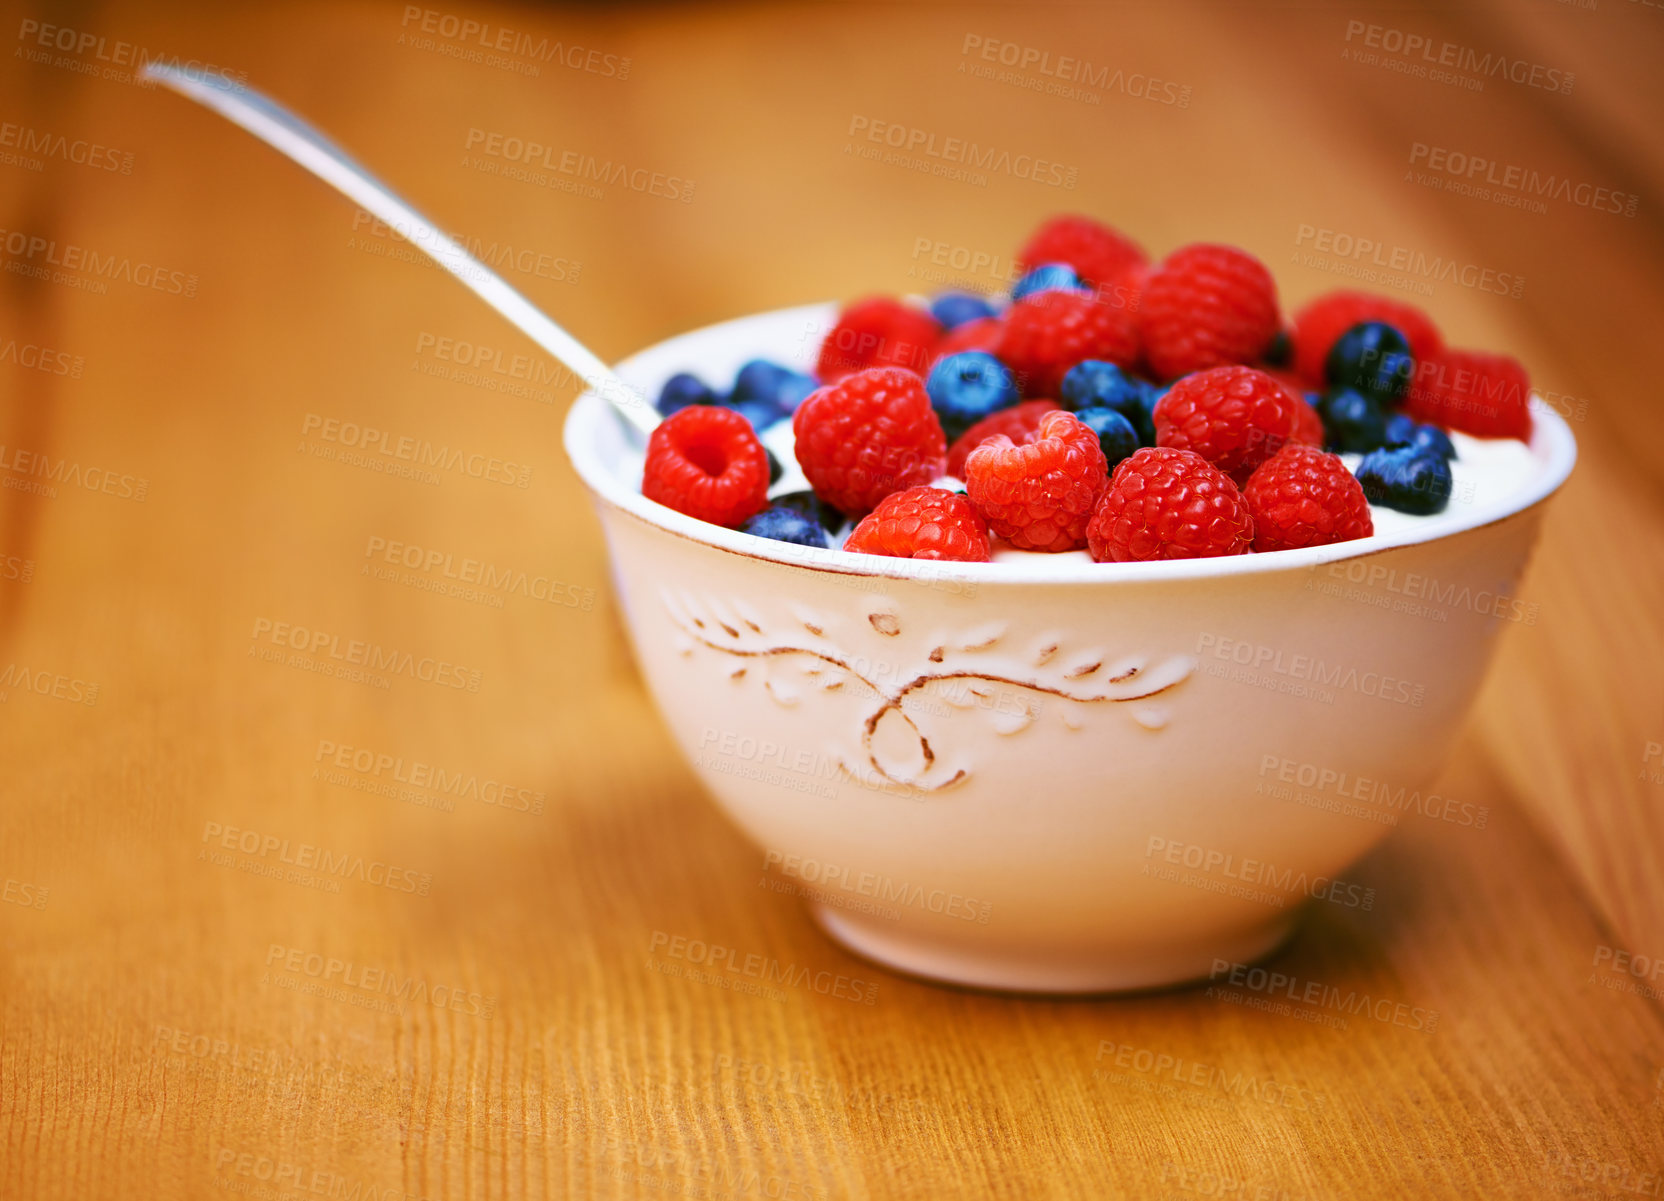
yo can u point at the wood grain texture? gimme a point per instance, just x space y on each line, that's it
163 1032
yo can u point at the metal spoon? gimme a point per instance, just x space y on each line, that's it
288 134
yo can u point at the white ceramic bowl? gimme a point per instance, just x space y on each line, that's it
1059 776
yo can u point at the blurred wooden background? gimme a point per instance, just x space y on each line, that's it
179 309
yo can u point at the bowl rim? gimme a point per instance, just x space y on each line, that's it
1551 442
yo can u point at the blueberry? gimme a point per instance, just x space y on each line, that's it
794 390
1435 441
1096 384
966 387
1403 431
1048 277
811 506
775 471
785 524
1372 357
758 379
1352 422
1115 433
1411 481
684 389
760 413
1146 423
954 309
1280 351
781 386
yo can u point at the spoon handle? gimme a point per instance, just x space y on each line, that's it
288 134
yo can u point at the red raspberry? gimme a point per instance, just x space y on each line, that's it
1204 306
923 523
1098 253
1286 378
1329 316
1234 417
1049 332
706 462
982 334
878 332
1169 504
1308 426
1126 291
1040 494
1303 497
1016 423
872 434
1469 390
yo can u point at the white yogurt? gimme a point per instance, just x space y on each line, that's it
1485 471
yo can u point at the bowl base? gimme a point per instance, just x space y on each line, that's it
1135 971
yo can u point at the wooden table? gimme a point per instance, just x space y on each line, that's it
178 1022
